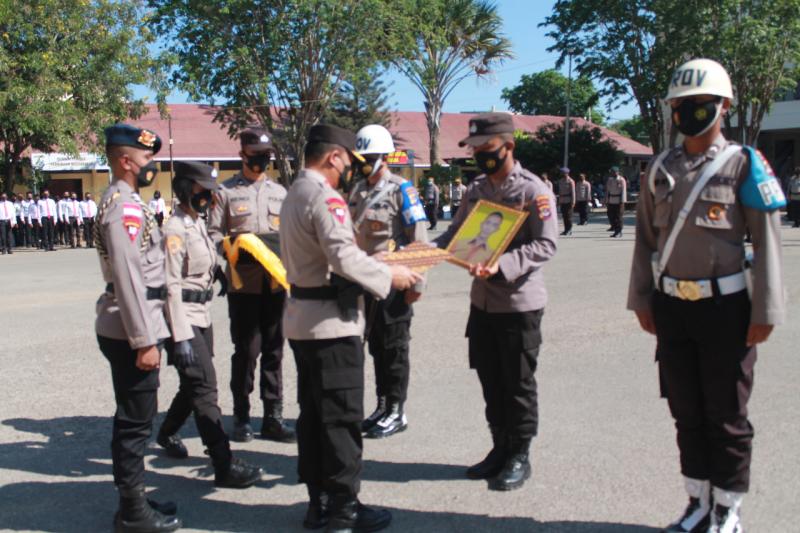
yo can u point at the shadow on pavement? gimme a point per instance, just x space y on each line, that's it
78 447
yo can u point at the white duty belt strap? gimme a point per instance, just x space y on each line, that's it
708 173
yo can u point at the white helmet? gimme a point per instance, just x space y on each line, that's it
374 139
700 76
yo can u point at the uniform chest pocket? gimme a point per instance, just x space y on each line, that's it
714 206
274 208
198 260
240 208
378 223
155 252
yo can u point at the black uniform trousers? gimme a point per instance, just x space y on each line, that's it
793 211
256 329
197 394
330 390
6 238
73 232
136 394
583 211
566 214
19 233
160 219
706 372
389 335
431 211
35 229
615 216
88 232
48 233
503 349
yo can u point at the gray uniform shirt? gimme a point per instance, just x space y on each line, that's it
566 191
519 285
316 239
458 193
711 243
383 221
616 190
191 259
794 188
244 206
583 191
131 253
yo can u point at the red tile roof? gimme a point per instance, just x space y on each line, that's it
197 137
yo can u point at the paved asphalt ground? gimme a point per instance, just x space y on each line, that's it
605 460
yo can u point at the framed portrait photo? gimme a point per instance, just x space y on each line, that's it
485 234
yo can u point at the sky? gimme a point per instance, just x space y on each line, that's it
521 20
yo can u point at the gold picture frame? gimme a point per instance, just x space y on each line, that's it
485 234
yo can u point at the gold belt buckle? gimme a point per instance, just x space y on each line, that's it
689 290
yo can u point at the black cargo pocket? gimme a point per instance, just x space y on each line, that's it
477 332
342 395
396 335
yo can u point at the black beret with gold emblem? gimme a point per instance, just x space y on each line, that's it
127 135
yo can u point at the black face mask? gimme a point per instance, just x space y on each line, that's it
345 179
489 162
369 168
693 119
146 174
201 201
157 195
257 163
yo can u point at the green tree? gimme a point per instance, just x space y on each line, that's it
545 93
279 63
361 100
66 70
454 39
756 42
589 152
633 128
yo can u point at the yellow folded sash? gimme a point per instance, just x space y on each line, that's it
251 244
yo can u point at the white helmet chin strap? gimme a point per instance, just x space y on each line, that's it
716 118
376 167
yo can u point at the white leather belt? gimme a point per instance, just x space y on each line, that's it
699 289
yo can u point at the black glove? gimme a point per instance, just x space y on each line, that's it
219 275
183 355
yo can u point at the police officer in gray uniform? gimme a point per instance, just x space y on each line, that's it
250 202
130 321
566 199
583 195
793 188
507 300
386 208
324 321
616 196
191 264
689 287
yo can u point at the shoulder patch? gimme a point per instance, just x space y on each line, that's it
761 189
543 208
132 219
412 210
337 208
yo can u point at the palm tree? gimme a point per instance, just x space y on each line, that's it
455 40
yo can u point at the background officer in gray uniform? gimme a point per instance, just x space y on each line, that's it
566 199
130 321
688 288
324 322
456 195
191 264
583 195
385 208
616 196
507 300
793 188
250 202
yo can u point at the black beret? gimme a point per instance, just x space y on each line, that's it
127 135
483 128
330 134
200 173
256 139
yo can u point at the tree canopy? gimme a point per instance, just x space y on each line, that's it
278 64
545 93
66 71
363 99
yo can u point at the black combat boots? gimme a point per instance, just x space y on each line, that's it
230 472
494 461
173 445
317 512
348 515
274 426
376 415
517 468
393 421
242 430
136 515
